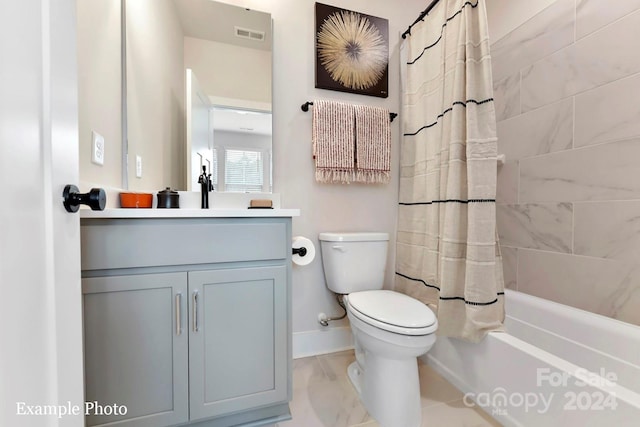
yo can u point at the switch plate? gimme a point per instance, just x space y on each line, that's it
138 167
97 148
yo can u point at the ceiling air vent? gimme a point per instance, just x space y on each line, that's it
246 33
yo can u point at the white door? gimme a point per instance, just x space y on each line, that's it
40 299
199 131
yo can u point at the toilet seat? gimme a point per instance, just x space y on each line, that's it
392 311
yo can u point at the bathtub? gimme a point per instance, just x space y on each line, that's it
554 366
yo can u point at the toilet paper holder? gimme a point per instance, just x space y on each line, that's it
299 251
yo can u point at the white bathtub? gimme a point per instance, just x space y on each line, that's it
554 366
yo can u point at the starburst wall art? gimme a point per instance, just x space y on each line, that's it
352 51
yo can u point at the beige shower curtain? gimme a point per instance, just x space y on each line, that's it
447 249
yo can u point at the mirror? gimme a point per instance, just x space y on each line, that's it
198 93
245 138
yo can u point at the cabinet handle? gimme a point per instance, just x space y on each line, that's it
178 314
195 312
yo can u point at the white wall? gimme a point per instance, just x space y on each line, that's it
155 118
229 71
241 140
99 81
325 207
155 52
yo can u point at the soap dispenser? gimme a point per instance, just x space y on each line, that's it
206 185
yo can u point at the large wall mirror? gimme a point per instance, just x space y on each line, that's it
198 93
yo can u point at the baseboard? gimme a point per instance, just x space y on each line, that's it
313 343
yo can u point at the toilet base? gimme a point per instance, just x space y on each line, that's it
389 390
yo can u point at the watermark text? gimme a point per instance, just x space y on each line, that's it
68 409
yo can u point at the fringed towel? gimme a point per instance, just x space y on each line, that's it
333 141
373 145
351 143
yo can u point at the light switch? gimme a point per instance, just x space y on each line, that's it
138 167
97 148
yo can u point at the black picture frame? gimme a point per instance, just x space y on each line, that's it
335 54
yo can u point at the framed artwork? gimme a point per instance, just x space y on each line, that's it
352 51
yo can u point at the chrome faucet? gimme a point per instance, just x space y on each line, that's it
206 185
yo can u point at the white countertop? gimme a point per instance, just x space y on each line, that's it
190 213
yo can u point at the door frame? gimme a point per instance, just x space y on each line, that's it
41 361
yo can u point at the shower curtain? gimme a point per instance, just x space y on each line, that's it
447 252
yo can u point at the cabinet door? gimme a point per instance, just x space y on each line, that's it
237 340
135 348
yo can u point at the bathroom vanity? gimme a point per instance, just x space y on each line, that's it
187 316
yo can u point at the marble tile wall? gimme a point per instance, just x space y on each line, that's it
566 85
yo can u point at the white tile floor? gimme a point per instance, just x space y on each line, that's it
324 397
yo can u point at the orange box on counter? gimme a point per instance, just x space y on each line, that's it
136 200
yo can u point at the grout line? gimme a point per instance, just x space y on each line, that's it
517 267
568 254
520 92
597 30
573 228
574 95
436 403
524 23
534 110
597 86
584 147
575 21
371 422
502 245
518 181
324 372
554 203
575 202
573 131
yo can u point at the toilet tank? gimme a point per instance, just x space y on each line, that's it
354 262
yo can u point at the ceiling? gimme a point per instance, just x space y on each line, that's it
215 21
243 121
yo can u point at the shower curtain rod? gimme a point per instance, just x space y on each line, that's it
420 18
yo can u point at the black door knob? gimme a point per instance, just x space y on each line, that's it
96 199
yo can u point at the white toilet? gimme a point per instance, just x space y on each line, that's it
390 329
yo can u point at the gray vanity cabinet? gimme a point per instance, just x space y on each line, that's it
237 351
192 332
136 348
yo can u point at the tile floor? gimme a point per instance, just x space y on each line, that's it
324 397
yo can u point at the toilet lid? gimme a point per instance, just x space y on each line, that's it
393 311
